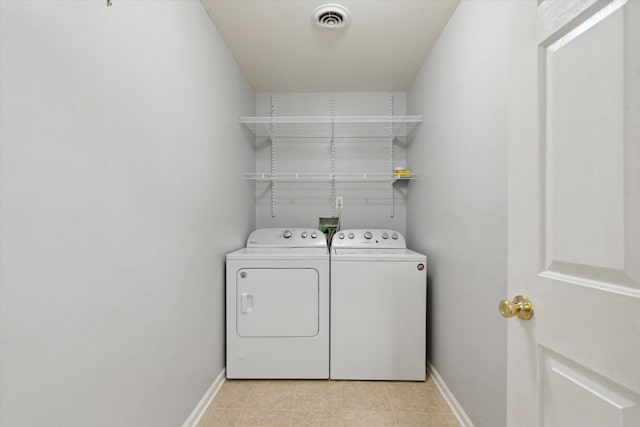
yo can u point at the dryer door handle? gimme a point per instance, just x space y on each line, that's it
246 302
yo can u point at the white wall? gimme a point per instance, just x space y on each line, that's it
456 209
121 192
366 205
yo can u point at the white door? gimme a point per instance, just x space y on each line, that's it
574 213
277 302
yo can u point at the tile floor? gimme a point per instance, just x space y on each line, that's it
328 403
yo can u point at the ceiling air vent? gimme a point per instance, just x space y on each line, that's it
331 17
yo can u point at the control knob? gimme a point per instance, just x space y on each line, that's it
304 235
286 234
368 235
341 236
351 235
314 235
394 236
385 236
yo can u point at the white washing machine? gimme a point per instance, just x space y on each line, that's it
278 305
378 307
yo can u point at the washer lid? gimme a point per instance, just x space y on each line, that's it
280 253
378 255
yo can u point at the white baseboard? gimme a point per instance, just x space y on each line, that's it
457 409
204 403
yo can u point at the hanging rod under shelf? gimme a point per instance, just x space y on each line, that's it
328 177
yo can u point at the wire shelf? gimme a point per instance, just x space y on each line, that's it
328 177
338 126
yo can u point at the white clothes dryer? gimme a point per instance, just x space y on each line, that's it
378 307
278 305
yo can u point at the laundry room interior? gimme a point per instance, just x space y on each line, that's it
124 130
143 142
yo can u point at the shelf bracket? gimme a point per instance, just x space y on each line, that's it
273 158
333 155
392 135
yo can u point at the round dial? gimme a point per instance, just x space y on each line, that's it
314 235
394 236
304 235
385 236
286 234
368 235
341 236
351 235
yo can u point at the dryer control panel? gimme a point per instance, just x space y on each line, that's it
368 238
287 238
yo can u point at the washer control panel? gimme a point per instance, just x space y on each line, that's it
368 238
287 238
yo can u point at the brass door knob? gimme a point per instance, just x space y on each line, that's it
520 306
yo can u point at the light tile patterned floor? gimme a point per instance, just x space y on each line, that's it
328 403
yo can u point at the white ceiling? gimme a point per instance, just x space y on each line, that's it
280 50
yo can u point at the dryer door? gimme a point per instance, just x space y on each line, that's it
277 302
